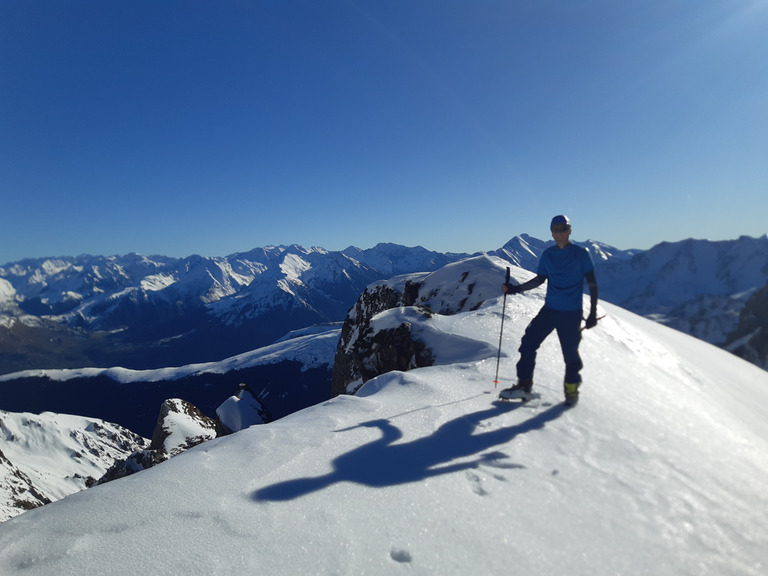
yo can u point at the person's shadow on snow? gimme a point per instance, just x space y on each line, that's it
380 463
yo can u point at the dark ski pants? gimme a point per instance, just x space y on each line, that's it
568 326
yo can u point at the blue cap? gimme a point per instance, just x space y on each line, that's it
560 219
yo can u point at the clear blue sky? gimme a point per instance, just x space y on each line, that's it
181 127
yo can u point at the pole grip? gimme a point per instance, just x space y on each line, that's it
507 279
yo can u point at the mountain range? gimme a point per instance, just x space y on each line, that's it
151 312
143 312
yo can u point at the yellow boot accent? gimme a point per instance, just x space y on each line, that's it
571 393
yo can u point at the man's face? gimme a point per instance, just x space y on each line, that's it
561 233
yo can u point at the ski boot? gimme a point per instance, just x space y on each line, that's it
571 393
520 391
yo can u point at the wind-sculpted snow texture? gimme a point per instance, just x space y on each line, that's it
661 469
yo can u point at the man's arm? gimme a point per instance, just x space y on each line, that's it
592 285
532 283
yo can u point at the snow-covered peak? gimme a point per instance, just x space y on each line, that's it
156 282
44 457
201 308
180 426
394 259
7 294
293 266
525 250
602 252
463 285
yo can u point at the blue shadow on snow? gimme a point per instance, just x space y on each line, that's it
380 463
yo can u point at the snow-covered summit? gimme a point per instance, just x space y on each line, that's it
660 469
524 251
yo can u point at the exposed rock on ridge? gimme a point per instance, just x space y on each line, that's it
372 344
353 361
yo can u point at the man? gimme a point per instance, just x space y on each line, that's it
564 267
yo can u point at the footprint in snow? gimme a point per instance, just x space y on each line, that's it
476 483
400 555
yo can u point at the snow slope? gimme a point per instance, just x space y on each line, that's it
661 469
44 457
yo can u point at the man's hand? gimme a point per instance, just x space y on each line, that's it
591 320
510 289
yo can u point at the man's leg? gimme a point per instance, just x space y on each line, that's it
569 333
539 328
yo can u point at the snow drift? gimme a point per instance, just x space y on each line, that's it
661 469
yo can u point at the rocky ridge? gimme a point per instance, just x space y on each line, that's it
374 342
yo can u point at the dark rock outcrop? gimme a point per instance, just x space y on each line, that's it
360 354
750 339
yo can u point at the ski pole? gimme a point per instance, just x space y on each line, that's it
503 313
